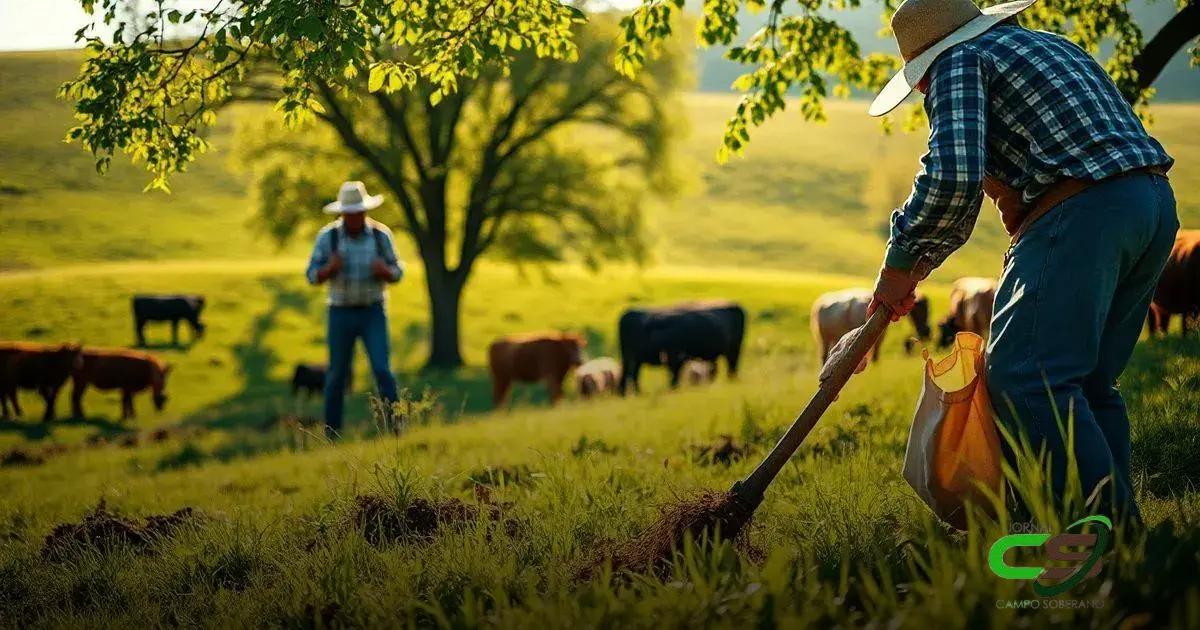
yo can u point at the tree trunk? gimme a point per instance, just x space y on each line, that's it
445 293
1178 31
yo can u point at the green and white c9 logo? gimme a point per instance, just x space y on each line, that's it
1088 562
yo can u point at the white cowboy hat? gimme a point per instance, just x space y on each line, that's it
925 29
353 197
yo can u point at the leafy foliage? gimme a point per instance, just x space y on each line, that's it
802 48
158 80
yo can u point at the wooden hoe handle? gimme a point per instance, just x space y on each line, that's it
842 365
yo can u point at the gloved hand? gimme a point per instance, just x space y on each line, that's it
897 289
836 351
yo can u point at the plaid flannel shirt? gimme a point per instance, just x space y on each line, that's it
355 285
1026 107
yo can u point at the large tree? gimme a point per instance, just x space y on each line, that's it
497 126
803 48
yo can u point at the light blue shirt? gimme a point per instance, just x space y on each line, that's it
355 285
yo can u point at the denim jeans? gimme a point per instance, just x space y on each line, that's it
1069 309
347 324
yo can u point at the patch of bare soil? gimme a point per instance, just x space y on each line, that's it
382 521
724 450
104 530
707 516
19 456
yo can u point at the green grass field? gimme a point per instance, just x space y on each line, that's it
840 540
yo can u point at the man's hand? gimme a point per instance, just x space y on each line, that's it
897 289
380 269
331 268
836 352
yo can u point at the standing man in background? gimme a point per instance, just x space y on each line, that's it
1034 121
358 258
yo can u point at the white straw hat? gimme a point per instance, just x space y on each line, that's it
925 29
353 197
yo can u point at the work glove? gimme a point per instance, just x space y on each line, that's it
897 288
836 351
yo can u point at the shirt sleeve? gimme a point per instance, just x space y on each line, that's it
389 256
937 218
320 256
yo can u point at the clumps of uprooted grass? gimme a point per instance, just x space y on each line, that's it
30 456
382 521
709 517
103 530
724 450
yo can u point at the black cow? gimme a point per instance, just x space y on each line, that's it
672 335
167 308
310 377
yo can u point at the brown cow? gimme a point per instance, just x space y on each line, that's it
971 302
533 357
597 376
1178 289
127 370
39 367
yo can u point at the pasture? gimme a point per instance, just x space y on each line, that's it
840 539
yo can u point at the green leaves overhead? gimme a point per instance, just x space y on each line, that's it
157 71
802 49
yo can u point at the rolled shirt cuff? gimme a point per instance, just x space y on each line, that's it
898 258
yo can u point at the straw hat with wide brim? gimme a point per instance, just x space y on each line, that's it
925 29
353 197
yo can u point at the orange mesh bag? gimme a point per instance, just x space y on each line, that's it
953 446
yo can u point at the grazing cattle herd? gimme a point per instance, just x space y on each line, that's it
687 339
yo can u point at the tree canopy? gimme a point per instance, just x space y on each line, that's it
157 71
802 48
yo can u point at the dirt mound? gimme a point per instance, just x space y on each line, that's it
725 450
382 521
706 517
21 457
105 530
30 456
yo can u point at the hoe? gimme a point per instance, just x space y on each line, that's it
726 514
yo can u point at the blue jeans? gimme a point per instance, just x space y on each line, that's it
1069 310
346 324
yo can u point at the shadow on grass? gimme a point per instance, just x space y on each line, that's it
260 397
1162 387
34 429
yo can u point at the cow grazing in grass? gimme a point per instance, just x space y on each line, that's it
598 376
532 358
836 313
971 301
167 308
1178 291
672 335
129 371
310 378
38 367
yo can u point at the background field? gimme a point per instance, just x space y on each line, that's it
840 540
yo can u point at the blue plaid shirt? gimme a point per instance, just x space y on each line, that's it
1026 107
355 285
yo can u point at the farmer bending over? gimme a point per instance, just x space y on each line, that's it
1035 122
357 257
